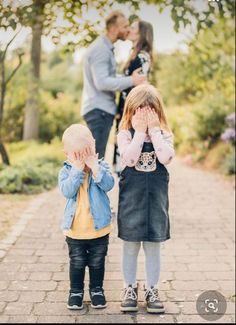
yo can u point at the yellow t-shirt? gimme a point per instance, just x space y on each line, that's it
83 226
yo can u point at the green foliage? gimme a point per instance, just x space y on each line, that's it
35 177
61 88
215 157
14 105
56 115
210 116
200 12
229 162
172 78
181 122
61 75
202 82
207 68
34 167
183 13
29 150
210 65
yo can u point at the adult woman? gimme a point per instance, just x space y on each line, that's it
141 35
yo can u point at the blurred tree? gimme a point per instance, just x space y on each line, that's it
190 12
42 17
202 80
4 79
208 66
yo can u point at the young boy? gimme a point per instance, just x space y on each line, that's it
84 181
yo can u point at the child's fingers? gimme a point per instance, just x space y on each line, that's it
86 151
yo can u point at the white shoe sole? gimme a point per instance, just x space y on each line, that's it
128 308
75 307
99 306
155 311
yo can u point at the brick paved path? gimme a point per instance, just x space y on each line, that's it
200 256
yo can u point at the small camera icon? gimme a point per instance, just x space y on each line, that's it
211 306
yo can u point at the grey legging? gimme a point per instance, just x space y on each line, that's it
152 262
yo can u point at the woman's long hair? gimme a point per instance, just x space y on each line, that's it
145 42
140 96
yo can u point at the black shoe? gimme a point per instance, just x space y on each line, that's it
130 299
97 297
154 305
75 300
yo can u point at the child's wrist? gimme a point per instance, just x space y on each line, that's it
154 129
95 170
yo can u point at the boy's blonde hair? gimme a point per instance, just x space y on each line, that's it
76 137
140 96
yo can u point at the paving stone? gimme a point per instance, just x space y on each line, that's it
4 319
22 319
18 308
8 296
34 273
32 296
55 309
40 276
12 275
106 319
4 284
157 319
2 253
56 319
33 285
196 319
2 306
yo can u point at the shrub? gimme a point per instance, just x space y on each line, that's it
34 167
210 116
228 136
56 115
33 177
229 162
216 156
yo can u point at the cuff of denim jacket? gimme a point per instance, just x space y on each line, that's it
101 172
77 173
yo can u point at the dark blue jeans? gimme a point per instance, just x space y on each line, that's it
87 252
100 123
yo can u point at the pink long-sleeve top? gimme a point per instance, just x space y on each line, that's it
130 149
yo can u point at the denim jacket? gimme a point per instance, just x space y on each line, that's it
69 181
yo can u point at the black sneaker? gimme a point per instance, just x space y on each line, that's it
75 300
154 305
97 297
130 299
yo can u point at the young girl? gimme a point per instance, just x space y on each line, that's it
146 145
141 36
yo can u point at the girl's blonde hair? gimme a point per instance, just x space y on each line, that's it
140 96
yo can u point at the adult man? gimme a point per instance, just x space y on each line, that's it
101 82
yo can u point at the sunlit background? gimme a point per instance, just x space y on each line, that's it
193 67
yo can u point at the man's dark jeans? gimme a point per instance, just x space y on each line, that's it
87 252
100 123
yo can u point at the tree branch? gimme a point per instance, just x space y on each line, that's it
16 68
8 44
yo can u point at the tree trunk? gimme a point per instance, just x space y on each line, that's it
31 122
3 153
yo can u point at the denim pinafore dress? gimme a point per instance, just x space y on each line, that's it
143 199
